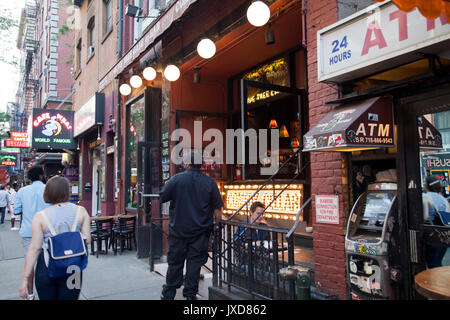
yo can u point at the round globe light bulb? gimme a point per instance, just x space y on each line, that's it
206 48
172 73
125 89
258 13
149 73
136 81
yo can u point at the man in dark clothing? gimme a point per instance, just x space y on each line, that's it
195 205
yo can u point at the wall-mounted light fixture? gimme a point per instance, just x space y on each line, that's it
149 73
125 89
171 72
270 36
258 13
134 11
197 74
206 48
136 81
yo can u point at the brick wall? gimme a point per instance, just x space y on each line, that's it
327 168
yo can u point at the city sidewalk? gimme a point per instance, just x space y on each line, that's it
120 277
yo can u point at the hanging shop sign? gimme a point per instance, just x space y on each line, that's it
18 140
90 114
361 125
52 129
327 209
10 150
8 159
377 38
429 136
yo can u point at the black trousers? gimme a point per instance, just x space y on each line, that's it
195 252
53 289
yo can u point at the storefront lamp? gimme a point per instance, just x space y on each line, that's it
273 124
149 73
136 81
125 89
206 48
295 143
283 132
258 13
172 73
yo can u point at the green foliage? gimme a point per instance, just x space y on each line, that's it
4 124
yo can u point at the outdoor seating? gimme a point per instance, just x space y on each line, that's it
102 231
125 233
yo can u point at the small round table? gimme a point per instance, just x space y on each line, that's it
434 283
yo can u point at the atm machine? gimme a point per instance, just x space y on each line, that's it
367 243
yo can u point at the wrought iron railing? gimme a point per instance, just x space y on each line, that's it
249 256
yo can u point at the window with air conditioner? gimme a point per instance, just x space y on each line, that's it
91 36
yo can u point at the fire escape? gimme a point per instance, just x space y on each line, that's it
29 84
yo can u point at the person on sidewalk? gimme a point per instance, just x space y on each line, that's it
61 215
12 198
4 201
195 205
29 200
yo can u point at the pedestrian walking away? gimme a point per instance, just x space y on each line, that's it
195 204
61 214
29 200
4 202
12 193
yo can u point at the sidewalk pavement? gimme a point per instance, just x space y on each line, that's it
108 277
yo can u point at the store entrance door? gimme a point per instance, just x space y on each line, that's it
425 148
268 106
148 184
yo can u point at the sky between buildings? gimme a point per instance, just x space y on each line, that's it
9 74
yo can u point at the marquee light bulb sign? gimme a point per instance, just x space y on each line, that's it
52 129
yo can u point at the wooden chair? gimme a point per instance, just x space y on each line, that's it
102 232
125 232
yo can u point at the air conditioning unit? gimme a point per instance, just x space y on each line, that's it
90 50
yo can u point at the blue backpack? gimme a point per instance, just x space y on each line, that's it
66 251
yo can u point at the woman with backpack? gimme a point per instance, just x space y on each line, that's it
53 228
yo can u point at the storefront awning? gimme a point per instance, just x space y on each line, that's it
357 126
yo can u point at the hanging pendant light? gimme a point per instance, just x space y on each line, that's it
149 73
136 81
283 132
258 13
172 73
125 89
295 143
273 124
206 48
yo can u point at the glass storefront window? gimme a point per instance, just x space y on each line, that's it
136 125
434 148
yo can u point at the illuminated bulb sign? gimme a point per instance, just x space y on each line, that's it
286 205
52 129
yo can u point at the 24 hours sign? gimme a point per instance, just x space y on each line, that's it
375 39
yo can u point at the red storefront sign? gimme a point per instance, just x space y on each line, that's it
3 176
18 140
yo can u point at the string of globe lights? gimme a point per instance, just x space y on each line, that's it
258 14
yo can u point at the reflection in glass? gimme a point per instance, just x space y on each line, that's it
135 134
434 147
